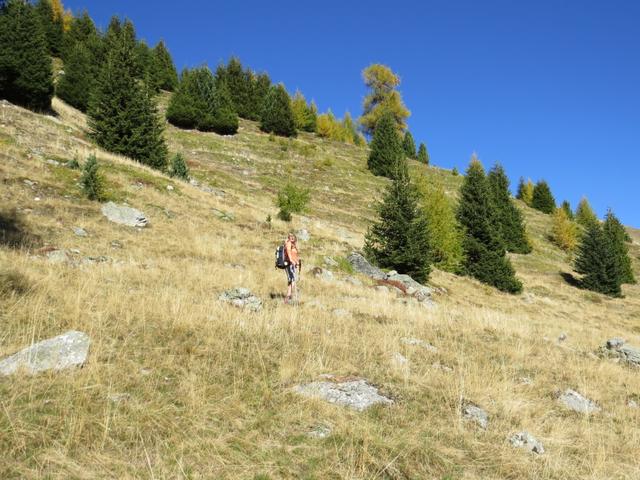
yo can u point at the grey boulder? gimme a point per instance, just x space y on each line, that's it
124 215
472 412
577 402
241 298
527 441
361 265
58 353
355 394
627 353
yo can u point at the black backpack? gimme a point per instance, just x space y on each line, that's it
280 257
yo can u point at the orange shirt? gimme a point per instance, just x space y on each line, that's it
292 252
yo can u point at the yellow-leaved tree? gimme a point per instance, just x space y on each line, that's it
564 231
383 96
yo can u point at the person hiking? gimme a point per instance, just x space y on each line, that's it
292 269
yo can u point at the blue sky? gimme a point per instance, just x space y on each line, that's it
550 89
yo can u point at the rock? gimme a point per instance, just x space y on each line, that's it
116 244
170 188
562 337
474 413
413 288
94 260
361 265
241 298
527 441
59 256
627 353
632 403
224 216
419 343
303 235
353 281
55 163
80 232
340 312
356 394
58 353
29 183
576 402
400 359
330 262
323 274
321 431
124 215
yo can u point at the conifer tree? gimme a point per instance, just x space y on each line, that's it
76 85
225 118
123 116
179 167
91 181
542 198
585 214
525 191
509 220
144 63
383 98
25 65
240 84
400 238
566 206
304 115
386 147
184 111
163 71
564 231
423 155
82 29
409 145
259 92
277 116
485 257
618 238
598 262
51 26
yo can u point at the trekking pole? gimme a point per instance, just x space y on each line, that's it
299 278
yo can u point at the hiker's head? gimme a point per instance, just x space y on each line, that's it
292 238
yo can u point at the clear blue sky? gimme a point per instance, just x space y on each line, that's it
549 88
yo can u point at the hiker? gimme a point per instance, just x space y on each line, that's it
293 265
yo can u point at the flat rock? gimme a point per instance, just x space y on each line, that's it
527 441
419 343
124 215
58 353
472 412
361 265
356 394
625 352
80 232
578 403
241 298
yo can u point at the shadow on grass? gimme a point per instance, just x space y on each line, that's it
571 279
14 232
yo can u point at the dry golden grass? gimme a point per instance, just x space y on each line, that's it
208 387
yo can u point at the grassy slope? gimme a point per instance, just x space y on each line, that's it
209 385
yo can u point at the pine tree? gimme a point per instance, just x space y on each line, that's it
163 71
585 214
525 191
386 147
598 262
566 206
25 65
51 27
400 237
423 155
509 220
91 181
618 237
123 116
542 198
409 145
564 231
484 252
277 116
76 85
179 167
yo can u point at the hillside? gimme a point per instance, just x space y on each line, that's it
180 385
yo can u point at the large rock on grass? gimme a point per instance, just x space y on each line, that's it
577 402
361 265
355 394
241 298
58 353
124 215
617 347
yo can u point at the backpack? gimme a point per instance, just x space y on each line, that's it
280 257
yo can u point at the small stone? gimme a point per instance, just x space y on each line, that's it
330 262
37 199
58 256
241 298
632 403
145 371
615 343
419 343
116 244
170 188
474 413
361 265
30 183
340 312
356 394
55 163
624 352
353 281
442 367
562 337
527 441
303 235
526 381
58 353
80 232
578 403
321 431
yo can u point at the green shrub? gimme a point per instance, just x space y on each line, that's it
73 164
179 168
291 199
454 172
91 181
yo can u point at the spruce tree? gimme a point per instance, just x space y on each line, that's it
76 85
183 110
240 84
277 116
224 114
585 214
386 147
259 92
485 257
525 191
91 181
82 29
179 167
122 112
618 237
542 198
25 65
509 220
566 206
400 238
423 155
598 262
409 145
163 71
51 27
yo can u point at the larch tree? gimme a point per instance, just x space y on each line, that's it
383 97
525 191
